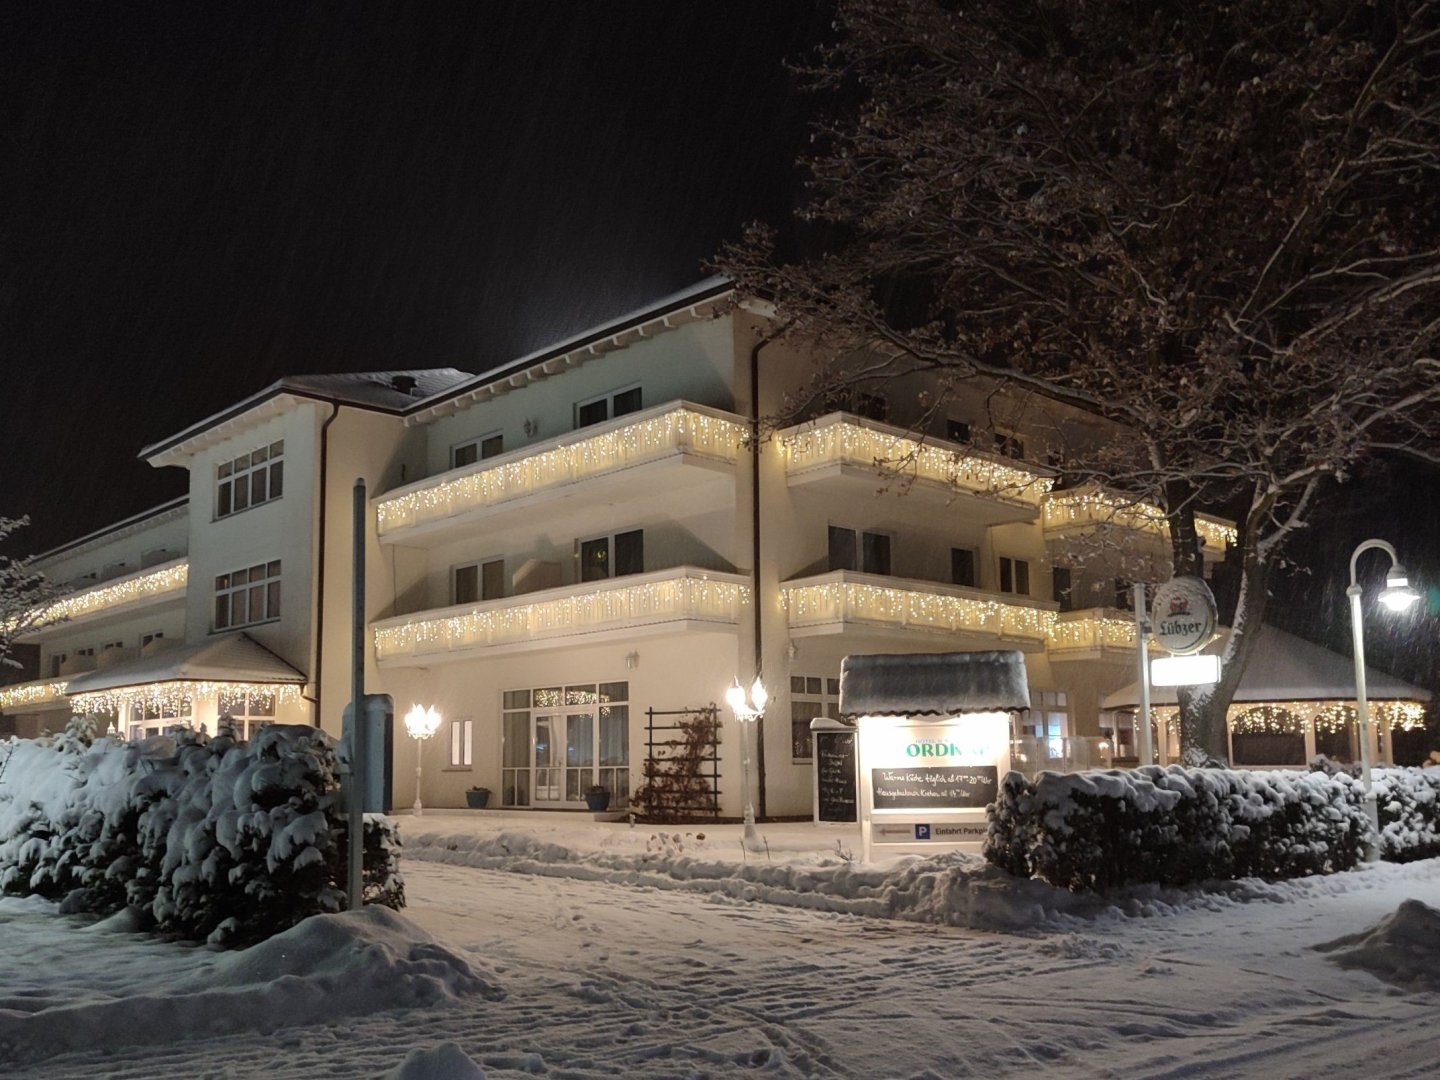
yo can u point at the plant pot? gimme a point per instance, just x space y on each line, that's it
597 801
476 800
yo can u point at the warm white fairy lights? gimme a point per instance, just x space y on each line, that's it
1091 632
166 579
690 594
851 601
1293 717
1086 507
842 440
179 696
680 429
30 694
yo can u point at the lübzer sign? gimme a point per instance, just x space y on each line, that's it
1183 616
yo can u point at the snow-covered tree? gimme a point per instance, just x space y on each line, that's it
25 594
1216 226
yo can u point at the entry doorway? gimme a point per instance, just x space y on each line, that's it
561 740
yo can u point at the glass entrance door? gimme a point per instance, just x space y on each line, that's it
564 753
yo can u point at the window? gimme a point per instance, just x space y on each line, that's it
612 556
152 719
56 662
1124 598
467 453
1049 720
109 645
1009 444
1014 576
89 650
957 431
810 696
246 597
462 744
962 567
559 740
867 551
247 713
479 581
146 639
251 479
616 403
1064 587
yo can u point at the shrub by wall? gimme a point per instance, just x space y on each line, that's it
208 839
1408 800
1173 826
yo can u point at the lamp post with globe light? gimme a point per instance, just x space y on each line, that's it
1397 595
421 723
747 708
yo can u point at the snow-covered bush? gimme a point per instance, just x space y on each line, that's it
1408 800
207 839
1173 826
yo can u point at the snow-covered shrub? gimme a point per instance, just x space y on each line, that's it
1408 800
1101 829
207 839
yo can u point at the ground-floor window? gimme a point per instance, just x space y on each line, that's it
559 741
810 696
462 744
247 713
1049 720
155 719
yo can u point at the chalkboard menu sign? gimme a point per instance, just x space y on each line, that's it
934 787
835 776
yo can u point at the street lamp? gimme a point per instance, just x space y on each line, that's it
747 709
420 724
1397 595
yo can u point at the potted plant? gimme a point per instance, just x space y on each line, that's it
477 797
597 798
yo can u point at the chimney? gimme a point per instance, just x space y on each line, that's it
404 383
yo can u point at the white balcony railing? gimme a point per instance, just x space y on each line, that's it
667 431
845 440
843 596
679 594
1092 630
31 695
1088 507
159 583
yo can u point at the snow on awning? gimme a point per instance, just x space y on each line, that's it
934 684
1284 667
235 663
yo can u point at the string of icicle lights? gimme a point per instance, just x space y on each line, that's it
1092 633
844 441
1292 717
678 429
156 583
684 597
179 696
15 697
1094 506
845 600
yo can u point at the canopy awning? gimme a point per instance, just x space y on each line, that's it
933 684
235 658
1284 667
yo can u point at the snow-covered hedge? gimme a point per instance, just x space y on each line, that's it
1409 803
210 839
1173 826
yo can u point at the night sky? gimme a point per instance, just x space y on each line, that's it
199 198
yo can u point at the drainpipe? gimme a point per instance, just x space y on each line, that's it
318 666
755 552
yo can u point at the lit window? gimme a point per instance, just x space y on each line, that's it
810 696
249 596
250 479
247 714
612 556
462 741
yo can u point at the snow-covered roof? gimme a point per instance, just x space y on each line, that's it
940 684
1284 667
237 658
380 391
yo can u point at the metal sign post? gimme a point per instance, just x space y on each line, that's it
1144 735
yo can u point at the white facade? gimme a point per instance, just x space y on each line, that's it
557 547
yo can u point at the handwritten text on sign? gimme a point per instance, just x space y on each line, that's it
935 787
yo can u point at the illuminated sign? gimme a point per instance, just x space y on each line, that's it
1183 616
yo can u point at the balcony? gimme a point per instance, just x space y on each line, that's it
679 456
676 600
1107 519
34 696
852 456
120 598
842 600
1093 634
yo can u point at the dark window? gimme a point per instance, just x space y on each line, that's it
842 548
592 412
1063 587
629 553
492 446
1014 576
626 401
957 431
467 584
1009 444
1123 594
876 553
464 454
248 596
962 567
251 479
595 559
492 580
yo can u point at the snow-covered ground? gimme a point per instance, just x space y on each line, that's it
541 947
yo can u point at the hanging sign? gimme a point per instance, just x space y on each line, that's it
1183 615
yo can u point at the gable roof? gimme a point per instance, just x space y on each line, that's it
233 658
1284 667
935 684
